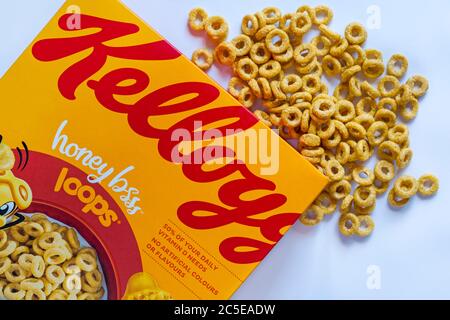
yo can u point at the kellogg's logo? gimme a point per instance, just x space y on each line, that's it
237 249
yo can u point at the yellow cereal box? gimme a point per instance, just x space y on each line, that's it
127 173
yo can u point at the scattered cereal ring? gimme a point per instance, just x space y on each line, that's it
216 28
197 19
366 226
363 176
348 224
202 58
406 187
356 33
397 65
428 185
313 216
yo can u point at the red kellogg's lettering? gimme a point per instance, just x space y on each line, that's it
55 49
244 212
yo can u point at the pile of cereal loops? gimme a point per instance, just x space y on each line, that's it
337 133
43 260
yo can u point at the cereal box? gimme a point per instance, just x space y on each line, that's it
127 173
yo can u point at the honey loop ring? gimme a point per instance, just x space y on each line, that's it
86 262
363 176
397 66
366 226
364 197
340 189
247 69
384 171
250 25
12 291
216 28
277 41
197 19
203 58
5 263
49 240
428 185
313 216
8 248
37 266
406 187
55 274
15 273
348 224
225 53
355 33
322 15
395 201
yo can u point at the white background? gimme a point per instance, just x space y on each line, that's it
411 247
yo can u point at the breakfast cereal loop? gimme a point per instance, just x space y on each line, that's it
397 65
216 28
312 216
197 19
225 53
348 224
428 185
203 58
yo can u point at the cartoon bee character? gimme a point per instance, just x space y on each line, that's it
15 194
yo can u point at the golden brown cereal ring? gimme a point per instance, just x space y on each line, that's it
366 105
285 22
346 205
242 45
311 84
404 94
334 170
428 185
322 45
343 153
277 93
345 111
225 53
312 160
312 152
304 125
406 187
360 211
341 129
389 86
263 32
397 65
202 58
363 176
395 201
32 283
216 28
86 262
19 250
291 117
373 54
254 87
404 158
418 85
291 83
13 291
309 140
265 88
364 119
323 109
386 116
328 33
5 263
270 69
235 86
363 151
246 69
275 119
348 74
197 19
26 261
389 151
348 224
33 229
380 186
246 98
340 189
339 48
277 41
49 239
58 294
8 248
366 226
327 156
409 109
355 33
304 53
55 274
271 14
3 238
364 197
72 239
325 202
72 284
285 57
377 133
18 234
312 216
333 141
342 92
384 171
356 130
250 25
325 130
35 294
54 255
322 15
259 53
373 68
388 104
398 134
369 90
331 66
358 54
15 273
300 24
